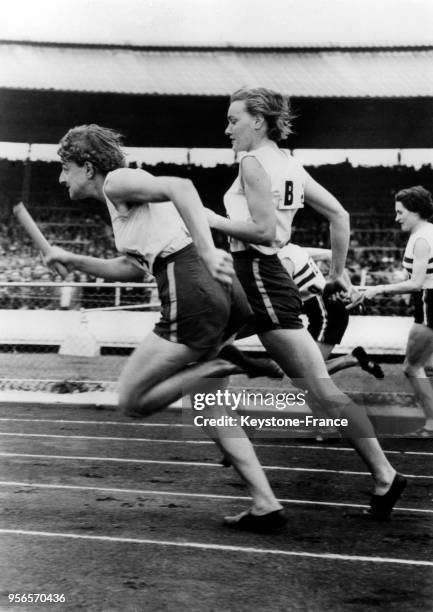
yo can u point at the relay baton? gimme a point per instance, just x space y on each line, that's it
28 223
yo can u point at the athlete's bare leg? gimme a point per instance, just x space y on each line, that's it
155 375
418 353
298 355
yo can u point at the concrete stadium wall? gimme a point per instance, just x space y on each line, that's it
378 335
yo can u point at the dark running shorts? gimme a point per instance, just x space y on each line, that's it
327 320
272 294
423 307
196 309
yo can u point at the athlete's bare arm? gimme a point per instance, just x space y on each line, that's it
261 229
339 224
116 269
323 202
421 256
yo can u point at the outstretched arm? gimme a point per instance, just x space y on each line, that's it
421 255
117 269
327 205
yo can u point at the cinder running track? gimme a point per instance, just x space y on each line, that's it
125 516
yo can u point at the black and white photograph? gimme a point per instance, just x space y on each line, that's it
216 305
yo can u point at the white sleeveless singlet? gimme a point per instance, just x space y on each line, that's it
426 232
287 178
145 231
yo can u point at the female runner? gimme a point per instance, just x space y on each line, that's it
160 225
270 188
413 209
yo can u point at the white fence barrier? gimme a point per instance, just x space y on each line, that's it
379 335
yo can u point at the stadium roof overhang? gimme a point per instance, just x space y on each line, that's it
323 72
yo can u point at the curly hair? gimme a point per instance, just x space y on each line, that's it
274 107
93 143
416 199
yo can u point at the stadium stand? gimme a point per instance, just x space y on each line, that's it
375 249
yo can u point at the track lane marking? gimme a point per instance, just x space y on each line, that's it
218 547
39 485
63 421
165 441
110 438
256 444
192 463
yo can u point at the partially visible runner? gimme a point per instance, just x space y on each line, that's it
160 226
261 204
327 319
413 209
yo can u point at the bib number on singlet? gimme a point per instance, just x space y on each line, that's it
288 199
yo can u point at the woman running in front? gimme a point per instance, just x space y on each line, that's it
270 188
160 225
413 209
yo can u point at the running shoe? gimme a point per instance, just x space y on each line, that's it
272 522
366 363
381 505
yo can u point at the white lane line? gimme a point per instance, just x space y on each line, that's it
192 463
185 425
110 438
218 547
40 485
344 448
317 447
165 441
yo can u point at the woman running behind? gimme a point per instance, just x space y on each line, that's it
160 225
270 188
413 209
327 319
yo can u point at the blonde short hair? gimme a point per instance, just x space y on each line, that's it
274 107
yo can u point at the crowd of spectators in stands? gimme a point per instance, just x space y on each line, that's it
375 250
